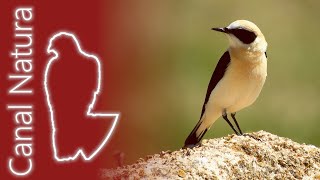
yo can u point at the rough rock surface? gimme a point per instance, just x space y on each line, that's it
262 156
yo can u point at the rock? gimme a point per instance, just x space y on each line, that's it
258 155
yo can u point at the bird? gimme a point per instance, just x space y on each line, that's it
237 79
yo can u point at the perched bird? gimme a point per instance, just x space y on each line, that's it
237 79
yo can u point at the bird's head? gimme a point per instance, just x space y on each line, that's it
245 35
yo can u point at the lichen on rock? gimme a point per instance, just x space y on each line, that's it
261 156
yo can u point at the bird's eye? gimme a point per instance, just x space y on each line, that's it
244 35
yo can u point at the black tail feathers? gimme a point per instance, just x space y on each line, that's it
192 140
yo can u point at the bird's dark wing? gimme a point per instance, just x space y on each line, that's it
216 77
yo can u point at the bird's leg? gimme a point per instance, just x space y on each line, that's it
225 117
233 115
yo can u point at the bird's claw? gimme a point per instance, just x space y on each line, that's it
249 135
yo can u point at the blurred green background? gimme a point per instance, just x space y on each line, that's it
167 53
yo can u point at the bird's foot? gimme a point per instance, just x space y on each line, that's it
249 135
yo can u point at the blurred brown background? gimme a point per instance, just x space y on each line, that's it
164 54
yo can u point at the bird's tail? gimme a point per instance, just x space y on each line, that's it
196 134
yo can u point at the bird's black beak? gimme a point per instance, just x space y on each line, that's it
224 30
